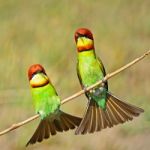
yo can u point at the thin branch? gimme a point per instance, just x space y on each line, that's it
108 76
17 125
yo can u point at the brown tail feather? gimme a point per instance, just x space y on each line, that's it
50 126
94 122
58 126
116 112
47 131
87 121
98 120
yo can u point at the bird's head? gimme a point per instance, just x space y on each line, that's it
84 39
37 76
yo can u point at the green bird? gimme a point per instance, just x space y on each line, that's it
47 105
104 109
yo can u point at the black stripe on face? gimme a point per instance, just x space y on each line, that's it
86 36
85 50
39 71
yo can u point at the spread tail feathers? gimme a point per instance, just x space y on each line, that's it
116 112
49 127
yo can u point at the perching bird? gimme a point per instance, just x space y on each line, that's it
104 109
47 105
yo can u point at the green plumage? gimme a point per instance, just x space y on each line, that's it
103 109
47 105
46 100
90 70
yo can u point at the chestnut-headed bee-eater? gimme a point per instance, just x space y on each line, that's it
47 105
103 109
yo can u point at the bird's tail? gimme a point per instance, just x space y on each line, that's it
50 126
116 112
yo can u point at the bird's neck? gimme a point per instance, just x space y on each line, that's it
47 89
87 54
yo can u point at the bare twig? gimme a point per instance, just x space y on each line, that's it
108 76
17 125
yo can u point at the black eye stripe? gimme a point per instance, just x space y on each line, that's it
39 71
81 35
33 74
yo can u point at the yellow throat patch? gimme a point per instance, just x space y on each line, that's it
39 80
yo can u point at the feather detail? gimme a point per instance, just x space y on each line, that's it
51 125
116 112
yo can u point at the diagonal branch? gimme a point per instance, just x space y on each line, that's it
108 76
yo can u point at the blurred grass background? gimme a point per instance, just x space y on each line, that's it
40 31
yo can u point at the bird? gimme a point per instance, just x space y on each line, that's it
104 110
47 104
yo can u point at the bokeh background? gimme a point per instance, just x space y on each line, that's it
42 31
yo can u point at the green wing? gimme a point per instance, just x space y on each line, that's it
78 74
101 66
103 70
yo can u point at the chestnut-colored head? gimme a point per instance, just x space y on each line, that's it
84 39
37 76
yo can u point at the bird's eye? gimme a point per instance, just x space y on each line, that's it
33 74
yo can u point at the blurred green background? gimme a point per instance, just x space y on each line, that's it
42 31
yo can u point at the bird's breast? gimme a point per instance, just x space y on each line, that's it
90 72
